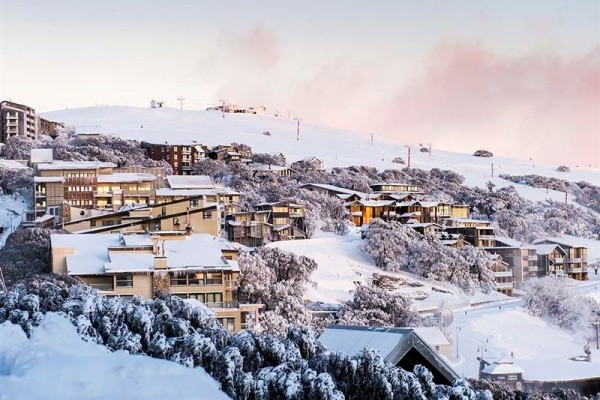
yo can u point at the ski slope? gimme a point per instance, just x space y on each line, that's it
338 148
56 364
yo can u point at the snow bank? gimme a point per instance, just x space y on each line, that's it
56 364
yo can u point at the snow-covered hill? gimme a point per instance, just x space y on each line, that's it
336 147
56 364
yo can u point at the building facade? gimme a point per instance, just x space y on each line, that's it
180 156
17 120
200 267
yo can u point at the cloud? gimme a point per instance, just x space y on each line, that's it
537 105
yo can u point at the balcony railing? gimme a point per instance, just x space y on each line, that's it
532 269
504 285
532 258
575 270
558 260
575 260
503 274
486 237
103 287
223 304
231 285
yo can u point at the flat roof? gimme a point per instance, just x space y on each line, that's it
59 165
190 182
126 177
12 164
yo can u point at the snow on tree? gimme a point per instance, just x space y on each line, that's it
277 279
374 306
395 247
17 181
549 297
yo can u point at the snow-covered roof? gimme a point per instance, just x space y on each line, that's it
72 165
432 335
90 251
565 242
48 179
352 341
41 156
545 249
502 367
513 243
129 262
190 182
185 192
126 177
423 225
338 189
137 240
376 203
12 164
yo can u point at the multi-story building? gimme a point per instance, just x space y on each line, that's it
271 222
182 187
89 185
181 155
200 267
395 188
521 258
575 265
551 259
16 120
49 128
192 214
476 232
503 275
230 152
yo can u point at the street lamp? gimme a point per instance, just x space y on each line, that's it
457 330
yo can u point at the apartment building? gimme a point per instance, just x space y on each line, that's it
182 187
503 275
230 152
87 185
575 264
271 222
551 259
521 258
395 188
181 155
478 233
49 128
17 120
201 267
186 214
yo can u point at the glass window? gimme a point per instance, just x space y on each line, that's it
196 279
125 280
214 297
198 296
178 280
207 214
214 278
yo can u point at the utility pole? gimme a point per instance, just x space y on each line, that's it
457 330
492 170
297 128
408 156
180 100
429 150
371 139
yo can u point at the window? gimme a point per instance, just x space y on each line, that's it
228 323
214 278
163 210
125 280
92 223
108 223
194 203
178 280
214 297
196 279
198 296
176 221
207 214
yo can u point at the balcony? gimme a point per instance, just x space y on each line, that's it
504 285
223 304
503 274
532 269
558 260
575 260
296 214
231 285
103 287
575 270
486 237
532 258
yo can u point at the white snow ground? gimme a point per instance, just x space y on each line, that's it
341 263
56 364
336 147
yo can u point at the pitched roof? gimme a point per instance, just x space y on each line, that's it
544 249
